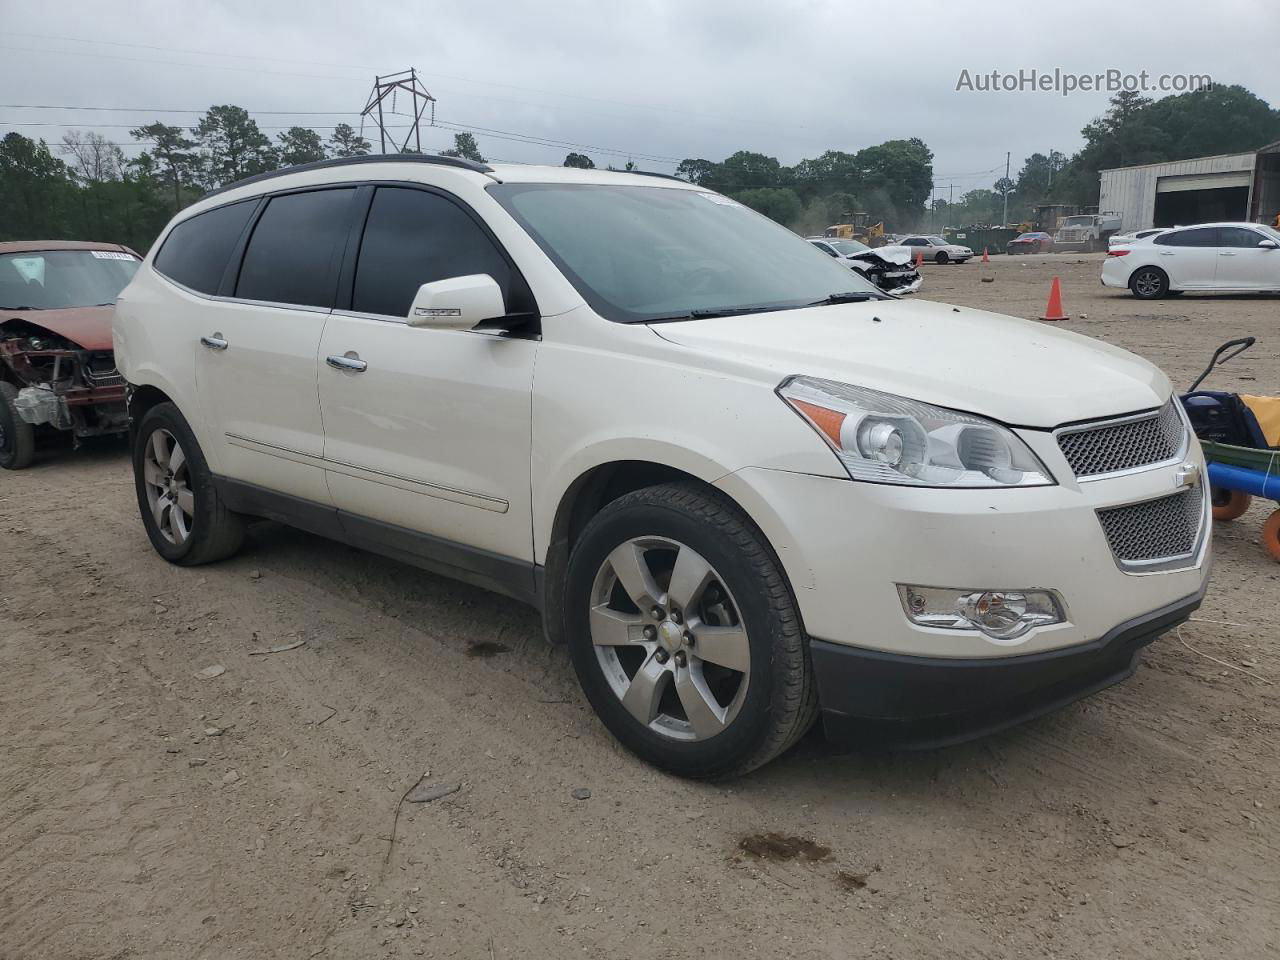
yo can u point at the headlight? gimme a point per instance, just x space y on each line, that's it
889 439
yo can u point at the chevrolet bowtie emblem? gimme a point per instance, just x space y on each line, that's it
1187 475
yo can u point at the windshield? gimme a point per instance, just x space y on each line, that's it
1078 222
849 247
937 241
1269 231
58 279
638 254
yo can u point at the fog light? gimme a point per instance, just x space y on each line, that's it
1002 615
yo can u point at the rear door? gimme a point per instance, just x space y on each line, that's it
1189 257
256 363
431 435
1242 264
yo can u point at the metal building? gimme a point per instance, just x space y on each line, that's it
1171 194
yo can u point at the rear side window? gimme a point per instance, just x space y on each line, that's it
1204 237
414 237
293 254
196 251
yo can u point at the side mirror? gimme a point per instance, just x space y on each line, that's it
458 303
1268 244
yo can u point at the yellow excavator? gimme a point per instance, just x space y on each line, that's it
857 228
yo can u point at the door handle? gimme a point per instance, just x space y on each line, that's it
354 364
1223 253
214 342
1166 253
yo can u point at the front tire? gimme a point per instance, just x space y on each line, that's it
941 257
17 437
1149 283
185 519
684 634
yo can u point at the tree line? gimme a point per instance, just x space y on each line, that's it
1134 130
90 190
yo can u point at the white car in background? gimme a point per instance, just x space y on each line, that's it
1234 257
936 248
1120 239
888 267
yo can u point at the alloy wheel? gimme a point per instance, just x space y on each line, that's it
168 486
1147 283
669 638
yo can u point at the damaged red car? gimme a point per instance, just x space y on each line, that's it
57 368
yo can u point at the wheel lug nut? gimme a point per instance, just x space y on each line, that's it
650 632
688 638
656 613
675 616
661 656
681 659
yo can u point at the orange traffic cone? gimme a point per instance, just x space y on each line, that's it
919 259
1053 310
985 258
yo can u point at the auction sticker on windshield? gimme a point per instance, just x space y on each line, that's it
111 255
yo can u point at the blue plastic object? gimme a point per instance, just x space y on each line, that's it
1250 481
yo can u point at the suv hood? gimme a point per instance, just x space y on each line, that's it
1019 372
87 327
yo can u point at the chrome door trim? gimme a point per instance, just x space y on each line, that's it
438 491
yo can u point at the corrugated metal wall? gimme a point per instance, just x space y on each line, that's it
1131 191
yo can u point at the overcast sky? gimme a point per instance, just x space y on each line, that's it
650 78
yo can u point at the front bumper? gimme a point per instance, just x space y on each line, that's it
845 545
886 699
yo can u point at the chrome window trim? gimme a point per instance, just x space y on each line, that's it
1091 425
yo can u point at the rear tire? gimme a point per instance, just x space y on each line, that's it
1229 504
1149 283
17 437
758 680
186 520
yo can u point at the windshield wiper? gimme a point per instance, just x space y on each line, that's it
851 296
708 314
21 308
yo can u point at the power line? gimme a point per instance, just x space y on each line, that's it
365 67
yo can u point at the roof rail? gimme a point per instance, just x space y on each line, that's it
433 158
653 173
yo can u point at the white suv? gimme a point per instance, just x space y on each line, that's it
743 485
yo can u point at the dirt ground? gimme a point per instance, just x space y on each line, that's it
146 811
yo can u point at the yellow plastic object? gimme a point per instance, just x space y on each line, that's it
1266 410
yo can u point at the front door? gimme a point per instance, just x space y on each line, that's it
1242 264
427 431
256 362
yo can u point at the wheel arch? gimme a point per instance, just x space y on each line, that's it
594 489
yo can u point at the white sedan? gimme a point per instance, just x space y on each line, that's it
936 249
1212 256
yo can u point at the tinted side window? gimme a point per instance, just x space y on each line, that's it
196 251
1205 237
293 254
914 242
413 237
1238 237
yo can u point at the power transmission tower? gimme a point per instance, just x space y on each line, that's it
378 108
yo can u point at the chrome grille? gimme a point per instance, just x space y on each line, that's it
1154 530
1124 444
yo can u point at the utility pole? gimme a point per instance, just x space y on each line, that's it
388 87
1005 221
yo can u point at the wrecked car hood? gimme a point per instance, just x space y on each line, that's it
899 256
86 327
1017 371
